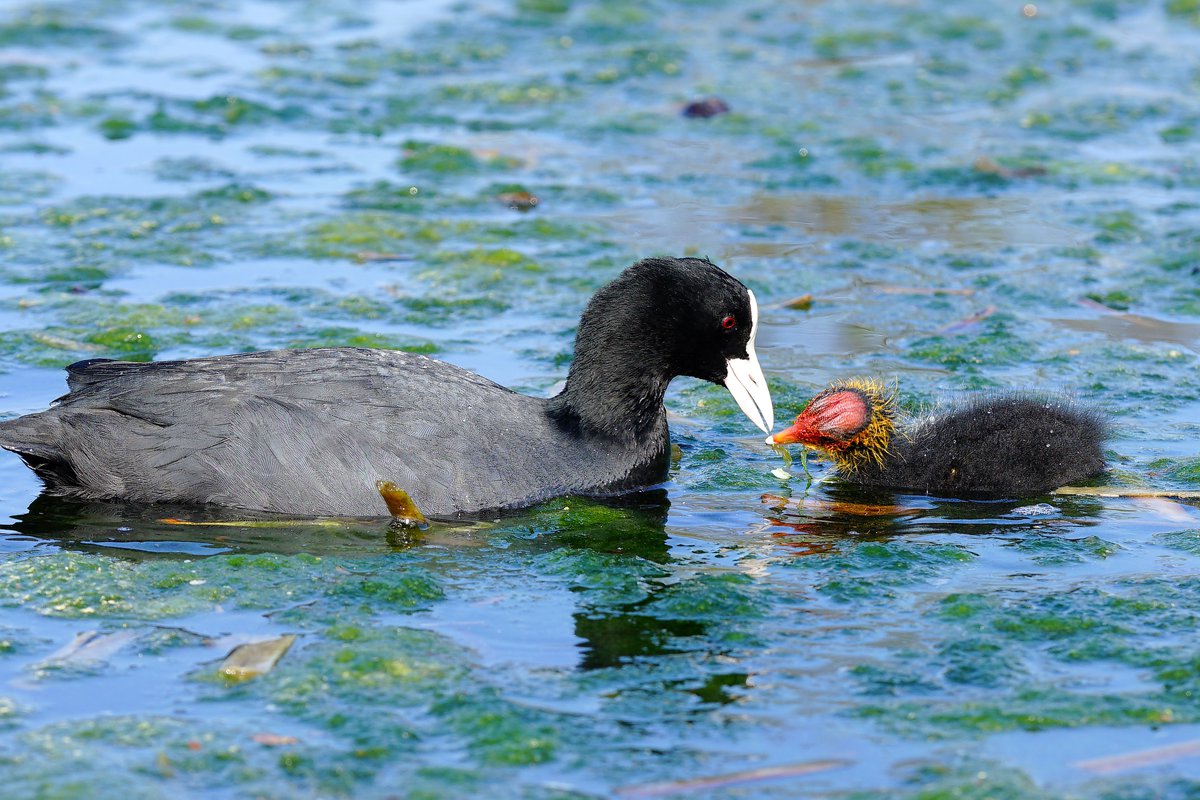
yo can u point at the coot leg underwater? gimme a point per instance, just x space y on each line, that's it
401 506
308 432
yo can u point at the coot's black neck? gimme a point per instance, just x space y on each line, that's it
623 363
624 406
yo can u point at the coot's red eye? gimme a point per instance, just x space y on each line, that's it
729 323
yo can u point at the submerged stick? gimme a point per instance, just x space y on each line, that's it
90 646
1117 491
1139 758
665 788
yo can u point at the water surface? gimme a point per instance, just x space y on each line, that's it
976 196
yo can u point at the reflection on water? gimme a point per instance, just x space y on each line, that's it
1138 328
959 221
972 222
834 510
612 640
139 531
632 524
611 635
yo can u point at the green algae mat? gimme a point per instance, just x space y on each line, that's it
961 196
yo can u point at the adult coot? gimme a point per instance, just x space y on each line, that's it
1006 444
309 432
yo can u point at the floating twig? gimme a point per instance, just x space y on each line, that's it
1118 491
922 290
966 322
665 788
1136 759
90 647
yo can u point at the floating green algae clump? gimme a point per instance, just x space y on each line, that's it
856 571
444 158
998 344
76 585
1182 472
1074 629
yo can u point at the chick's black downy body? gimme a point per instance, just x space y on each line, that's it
1005 445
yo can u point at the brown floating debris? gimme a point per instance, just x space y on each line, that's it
802 303
666 788
256 658
705 108
273 739
1140 758
518 201
987 166
1117 491
401 506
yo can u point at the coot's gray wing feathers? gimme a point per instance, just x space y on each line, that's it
310 432
297 431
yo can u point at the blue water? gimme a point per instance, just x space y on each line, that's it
975 198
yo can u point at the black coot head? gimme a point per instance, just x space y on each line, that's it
682 316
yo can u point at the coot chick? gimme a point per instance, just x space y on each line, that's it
1000 445
310 432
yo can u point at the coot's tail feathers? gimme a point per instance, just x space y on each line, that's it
96 371
30 437
38 438
86 373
